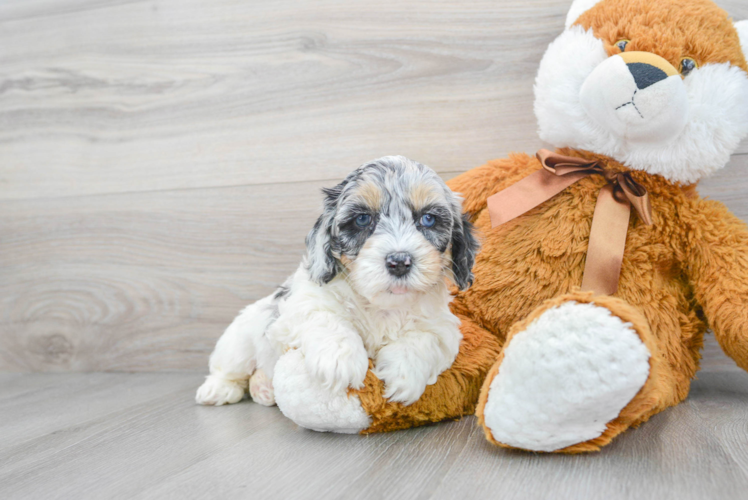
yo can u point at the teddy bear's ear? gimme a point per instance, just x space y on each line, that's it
579 7
742 27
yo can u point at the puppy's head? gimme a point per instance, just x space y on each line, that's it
394 229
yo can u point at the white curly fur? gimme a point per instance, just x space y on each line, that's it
305 345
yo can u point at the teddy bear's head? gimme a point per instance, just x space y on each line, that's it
659 85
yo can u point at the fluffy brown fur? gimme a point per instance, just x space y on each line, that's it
683 274
691 264
672 29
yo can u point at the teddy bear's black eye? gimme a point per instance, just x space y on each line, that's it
621 44
687 65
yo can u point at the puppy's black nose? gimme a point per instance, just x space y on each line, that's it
398 264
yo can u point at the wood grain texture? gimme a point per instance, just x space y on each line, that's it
148 281
160 161
141 436
143 95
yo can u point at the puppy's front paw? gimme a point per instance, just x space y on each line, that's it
338 365
403 382
219 391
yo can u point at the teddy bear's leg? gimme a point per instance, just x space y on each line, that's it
454 394
577 372
303 398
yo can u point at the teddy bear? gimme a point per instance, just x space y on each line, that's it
601 268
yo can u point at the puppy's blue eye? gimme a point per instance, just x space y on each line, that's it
363 220
428 220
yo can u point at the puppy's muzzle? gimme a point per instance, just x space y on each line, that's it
398 264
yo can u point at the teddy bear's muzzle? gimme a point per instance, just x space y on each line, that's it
638 97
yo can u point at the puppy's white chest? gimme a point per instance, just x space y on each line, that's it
379 328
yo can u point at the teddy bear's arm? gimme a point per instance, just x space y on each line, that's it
717 244
481 182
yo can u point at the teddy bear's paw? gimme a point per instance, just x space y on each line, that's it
564 378
261 388
218 391
303 398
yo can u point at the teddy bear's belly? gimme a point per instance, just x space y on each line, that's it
526 261
541 255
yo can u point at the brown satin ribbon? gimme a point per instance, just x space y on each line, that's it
609 222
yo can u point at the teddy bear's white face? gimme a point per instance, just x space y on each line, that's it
637 107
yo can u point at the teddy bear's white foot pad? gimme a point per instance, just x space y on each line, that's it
303 399
564 378
219 391
261 388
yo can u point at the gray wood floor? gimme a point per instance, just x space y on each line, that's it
141 436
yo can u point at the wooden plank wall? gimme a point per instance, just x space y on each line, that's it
160 161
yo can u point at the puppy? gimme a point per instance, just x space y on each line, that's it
373 284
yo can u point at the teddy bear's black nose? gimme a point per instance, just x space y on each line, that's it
398 264
645 74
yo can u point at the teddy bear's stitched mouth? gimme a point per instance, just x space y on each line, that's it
632 103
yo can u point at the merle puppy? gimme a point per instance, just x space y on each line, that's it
374 284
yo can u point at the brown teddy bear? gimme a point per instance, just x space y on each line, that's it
601 267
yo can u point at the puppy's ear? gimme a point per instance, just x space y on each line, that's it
321 264
464 248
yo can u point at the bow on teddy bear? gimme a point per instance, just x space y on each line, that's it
657 92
